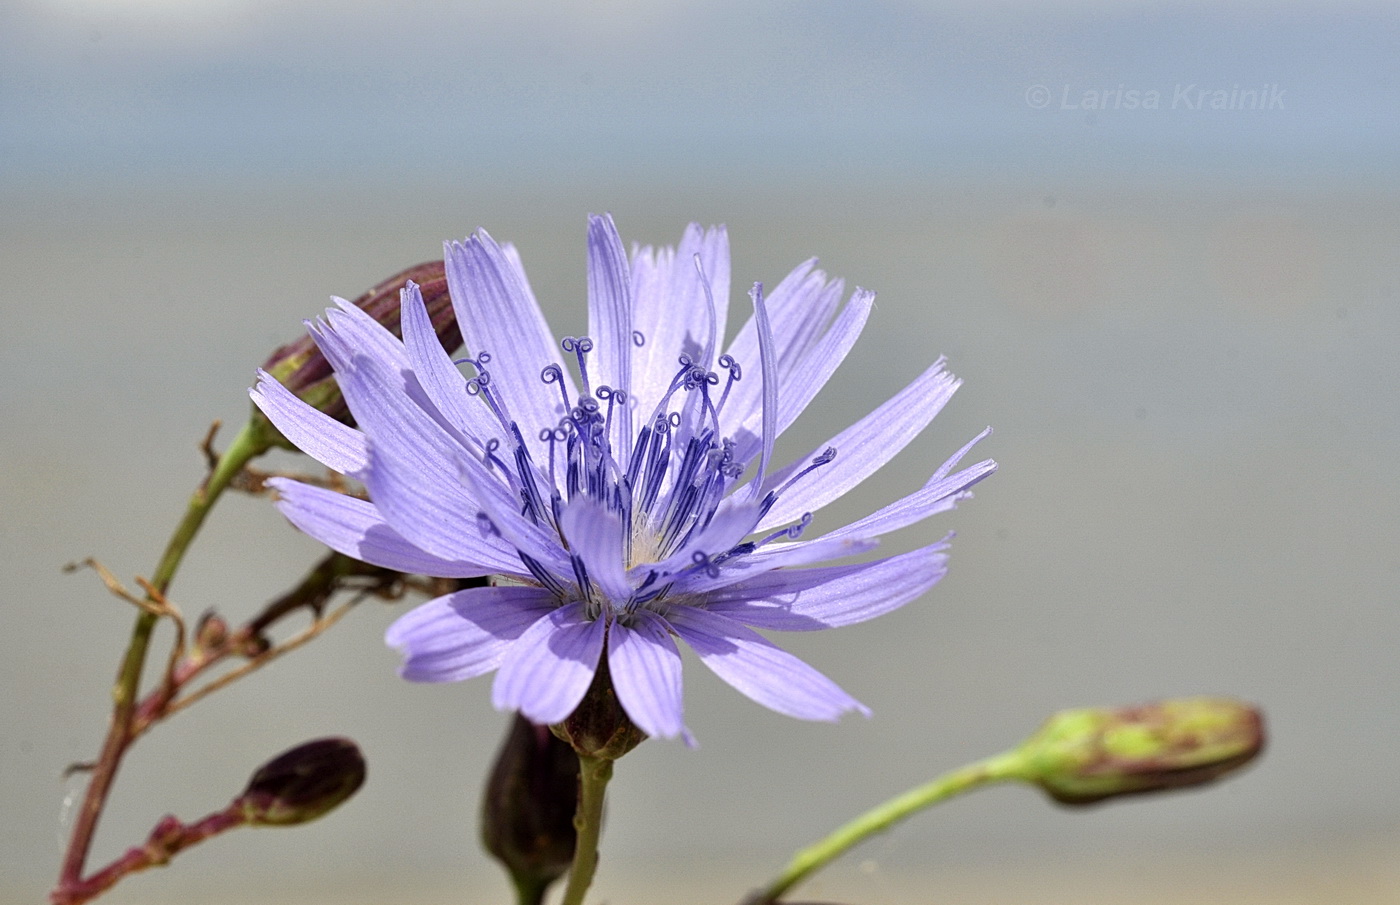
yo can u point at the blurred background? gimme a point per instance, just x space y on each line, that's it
1159 241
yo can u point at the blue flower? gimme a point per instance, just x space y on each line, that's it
620 485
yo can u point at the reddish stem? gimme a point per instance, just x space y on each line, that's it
169 837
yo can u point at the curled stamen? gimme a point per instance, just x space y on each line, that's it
614 398
638 339
552 373
827 456
727 362
491 459
704 563
580 346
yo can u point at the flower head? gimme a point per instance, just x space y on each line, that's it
621 484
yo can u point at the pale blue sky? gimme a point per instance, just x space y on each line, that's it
94 92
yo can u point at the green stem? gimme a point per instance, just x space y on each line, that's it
814 857
249 444
530 890
594 773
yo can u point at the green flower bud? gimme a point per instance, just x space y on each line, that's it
1084 756
599 727
527 812
301 368
302 784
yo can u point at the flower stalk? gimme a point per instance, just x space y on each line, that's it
298 786
814 857
594 774
249 444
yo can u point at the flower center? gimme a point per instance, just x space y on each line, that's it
664 484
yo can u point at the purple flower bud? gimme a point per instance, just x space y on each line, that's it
301 368
527 812
304 783
1085 756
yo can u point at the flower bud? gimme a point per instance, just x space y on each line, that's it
527 812
1085 756
304 783
599 727
301 368
210 632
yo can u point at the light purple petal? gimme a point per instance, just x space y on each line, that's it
802 383
931 499
799 310
957 457
438 376
414 465
547 671
466 633
498 315
774 556
356 528
646 673
501 505
610 315
337 446
797 600
670 309
363 333
864 446
595 535
794 302
760 670
768 356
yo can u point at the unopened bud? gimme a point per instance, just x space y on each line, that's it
304 783
210 632
1085 756
599 727
301 368
527 812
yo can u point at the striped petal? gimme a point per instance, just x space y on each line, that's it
466 633
801 600
760 670
646 673
548 669
356 528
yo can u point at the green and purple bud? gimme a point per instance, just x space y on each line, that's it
302 784
1085 756
527 811
301 368
599 727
